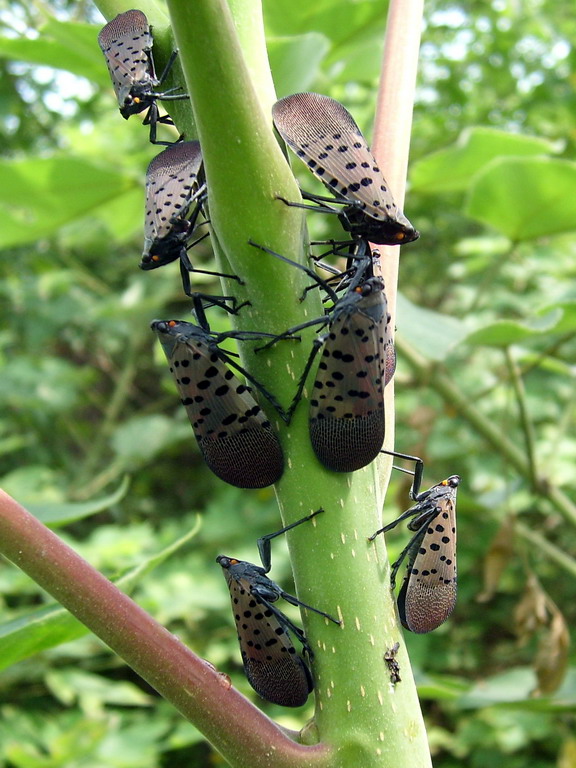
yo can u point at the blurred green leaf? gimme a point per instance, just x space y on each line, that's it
295 61
506 332
525 198
143 437
432 334
66 45
60 514
514 687
454 168
38 195
51 626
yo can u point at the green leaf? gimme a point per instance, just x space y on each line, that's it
430 333
453 168
514 687
64 45
142 437
51 626
567 321
61 514
40 194
295 61
525 198
506 332
70 685
338 20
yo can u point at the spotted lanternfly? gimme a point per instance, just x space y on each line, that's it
175 192
392 663
234 435
126 42
174 195
346 418
273 668
428 593
324 136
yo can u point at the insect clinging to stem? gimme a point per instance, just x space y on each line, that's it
346 417
234 434
175 192
126 43
324 135
392 663
273 667
428 594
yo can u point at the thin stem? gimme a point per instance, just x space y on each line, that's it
115 406
525 423
485 427
541 544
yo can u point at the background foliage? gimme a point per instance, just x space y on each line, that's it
92 437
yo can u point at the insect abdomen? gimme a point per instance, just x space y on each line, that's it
249 458
282 678
347 444
423 606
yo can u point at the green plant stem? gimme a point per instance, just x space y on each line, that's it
335 568
542 545
192 685
114 408
425 372
525 422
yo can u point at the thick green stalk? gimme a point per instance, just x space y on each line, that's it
336 569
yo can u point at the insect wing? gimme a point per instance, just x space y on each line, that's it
273 668
234 435
428 593
347 405
172 179
126 42
325 136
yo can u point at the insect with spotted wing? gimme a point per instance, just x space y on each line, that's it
175 191
234 434
428 594
324 135
126 43
273 668
346 419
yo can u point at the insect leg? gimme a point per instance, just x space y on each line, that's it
417 473
168 67
263 542
294 601
412 547
307 270
316 346
263 391
284 621
316 208
291 331
152 119
409 513
337 200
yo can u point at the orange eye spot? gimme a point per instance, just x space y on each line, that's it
172 323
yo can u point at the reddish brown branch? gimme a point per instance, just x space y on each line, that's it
244 735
